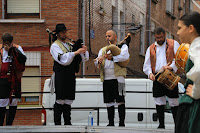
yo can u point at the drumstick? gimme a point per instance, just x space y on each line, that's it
161 70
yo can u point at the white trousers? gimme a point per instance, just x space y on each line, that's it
6 102
162 101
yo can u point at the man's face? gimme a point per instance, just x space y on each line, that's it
111 36
7 43
62 35
160 38
183 32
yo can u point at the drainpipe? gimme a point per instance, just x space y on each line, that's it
189 6
149 23
3 9
83 32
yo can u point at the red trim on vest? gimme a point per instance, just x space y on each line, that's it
169 53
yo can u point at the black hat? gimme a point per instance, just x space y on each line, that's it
59 28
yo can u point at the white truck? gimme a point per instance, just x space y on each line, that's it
140 105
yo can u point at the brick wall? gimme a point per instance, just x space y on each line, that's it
162 19
101 23
33 37
27 118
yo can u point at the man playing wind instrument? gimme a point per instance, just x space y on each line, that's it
113 77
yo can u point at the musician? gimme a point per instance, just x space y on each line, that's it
158 55
188 118
12 64
112 76
65 69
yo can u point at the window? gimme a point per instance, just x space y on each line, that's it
21 9
32 99
133 19
169 6
122 25
169 35
31 84
142 34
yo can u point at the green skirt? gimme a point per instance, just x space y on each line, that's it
188 115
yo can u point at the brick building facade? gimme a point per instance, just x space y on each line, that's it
124 16
28 26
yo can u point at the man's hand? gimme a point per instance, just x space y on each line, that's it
100 60
80 50
189 90
108 56
152 77
7 47
84 47
167 67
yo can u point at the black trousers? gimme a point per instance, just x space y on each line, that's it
111 93
160 90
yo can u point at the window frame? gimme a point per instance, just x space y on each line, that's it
5 15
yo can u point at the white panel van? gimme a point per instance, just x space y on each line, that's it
140 105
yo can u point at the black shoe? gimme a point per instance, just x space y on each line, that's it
121 124
161 127
110 124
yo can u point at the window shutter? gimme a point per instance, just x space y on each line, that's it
31 84
23 6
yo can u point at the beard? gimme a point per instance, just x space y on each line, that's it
160 42
63 39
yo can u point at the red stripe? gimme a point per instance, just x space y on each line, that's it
36 48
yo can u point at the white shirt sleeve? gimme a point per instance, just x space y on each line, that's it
65 58
21 50
176 46
147 63
194 73
96 60
123 56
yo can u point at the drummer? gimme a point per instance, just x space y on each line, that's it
112 76
158 55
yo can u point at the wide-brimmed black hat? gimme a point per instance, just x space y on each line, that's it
59 28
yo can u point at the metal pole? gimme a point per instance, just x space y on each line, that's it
3 9
89 29
83 32
149 33
97 116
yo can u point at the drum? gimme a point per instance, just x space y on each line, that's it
168 79
116 51
182 56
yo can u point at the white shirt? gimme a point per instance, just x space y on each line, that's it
66 58
194 73
160 58
109 65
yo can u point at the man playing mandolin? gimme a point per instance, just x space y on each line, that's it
112 75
